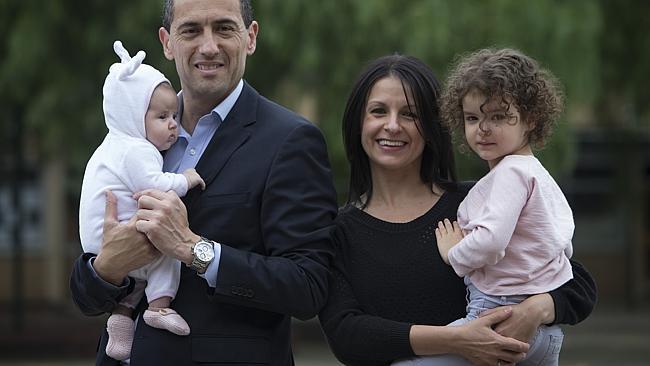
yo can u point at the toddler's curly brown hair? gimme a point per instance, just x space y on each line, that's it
512 76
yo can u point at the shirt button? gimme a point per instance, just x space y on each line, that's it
192 151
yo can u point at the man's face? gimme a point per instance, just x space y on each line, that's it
209 43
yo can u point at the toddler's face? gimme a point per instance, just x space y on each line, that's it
494 128
159 121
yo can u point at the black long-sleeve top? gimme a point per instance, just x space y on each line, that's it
389 276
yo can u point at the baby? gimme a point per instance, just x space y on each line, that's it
140 108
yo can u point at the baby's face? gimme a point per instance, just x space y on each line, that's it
159 121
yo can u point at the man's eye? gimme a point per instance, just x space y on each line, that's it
226 29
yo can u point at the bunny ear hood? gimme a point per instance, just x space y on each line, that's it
127 92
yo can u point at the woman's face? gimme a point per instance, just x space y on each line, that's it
389 132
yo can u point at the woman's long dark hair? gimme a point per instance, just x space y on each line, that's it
437 165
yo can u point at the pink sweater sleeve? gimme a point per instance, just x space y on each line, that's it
495 204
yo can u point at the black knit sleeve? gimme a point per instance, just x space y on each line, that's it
355 337
575 299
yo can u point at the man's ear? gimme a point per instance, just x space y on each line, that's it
164 37
252 38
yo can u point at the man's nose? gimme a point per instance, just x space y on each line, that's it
209 43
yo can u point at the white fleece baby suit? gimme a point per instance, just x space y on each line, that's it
125 163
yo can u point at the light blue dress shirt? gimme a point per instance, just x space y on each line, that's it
187 151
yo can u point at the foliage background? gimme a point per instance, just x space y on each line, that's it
54 56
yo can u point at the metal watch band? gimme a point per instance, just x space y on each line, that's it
197 264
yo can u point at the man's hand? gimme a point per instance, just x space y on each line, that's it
447 235
526 317
123 248
162 217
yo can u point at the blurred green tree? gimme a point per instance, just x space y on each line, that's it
56 54
317 50
625 55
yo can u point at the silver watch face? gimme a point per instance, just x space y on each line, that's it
204 251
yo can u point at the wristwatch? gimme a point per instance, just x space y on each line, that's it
202 255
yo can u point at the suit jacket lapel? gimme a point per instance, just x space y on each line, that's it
232 133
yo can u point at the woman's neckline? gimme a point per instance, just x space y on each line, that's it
424 218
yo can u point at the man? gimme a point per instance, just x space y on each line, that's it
256 240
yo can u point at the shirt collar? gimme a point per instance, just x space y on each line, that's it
223 108
226 105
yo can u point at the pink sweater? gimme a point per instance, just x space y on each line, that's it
518 228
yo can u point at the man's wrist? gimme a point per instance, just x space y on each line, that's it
105 274
185 248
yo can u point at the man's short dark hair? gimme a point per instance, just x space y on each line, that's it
245 7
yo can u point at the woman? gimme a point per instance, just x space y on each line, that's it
391 294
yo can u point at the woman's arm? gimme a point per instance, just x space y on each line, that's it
358 338
475 341
574 300
570 303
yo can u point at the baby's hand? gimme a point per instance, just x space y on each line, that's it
193 179
447 235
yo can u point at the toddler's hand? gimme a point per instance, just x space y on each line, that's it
193 179
448 235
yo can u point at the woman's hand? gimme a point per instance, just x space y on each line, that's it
475 341
481 345
526 317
